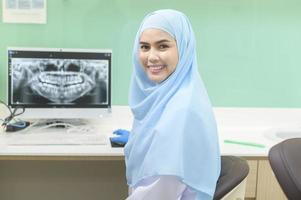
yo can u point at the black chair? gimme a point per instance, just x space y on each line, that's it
285 160
234 171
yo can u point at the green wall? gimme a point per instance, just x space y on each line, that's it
249 51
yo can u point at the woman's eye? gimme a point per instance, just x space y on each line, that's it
163 46
144 47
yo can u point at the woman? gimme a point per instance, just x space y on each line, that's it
173 150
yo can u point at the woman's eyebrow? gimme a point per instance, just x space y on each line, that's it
157 42
162 41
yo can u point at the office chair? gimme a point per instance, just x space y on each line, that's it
231 183
285 160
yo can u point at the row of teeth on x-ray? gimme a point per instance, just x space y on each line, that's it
54 79
60 80
56 65
67 93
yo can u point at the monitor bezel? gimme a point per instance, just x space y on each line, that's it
59 50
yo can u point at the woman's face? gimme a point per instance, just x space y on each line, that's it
158 54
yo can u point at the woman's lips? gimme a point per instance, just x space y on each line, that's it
155 68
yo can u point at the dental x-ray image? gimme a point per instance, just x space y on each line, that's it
59 81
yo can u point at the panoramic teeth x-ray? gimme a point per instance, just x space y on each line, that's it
65 81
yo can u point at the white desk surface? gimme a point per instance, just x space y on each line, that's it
243 124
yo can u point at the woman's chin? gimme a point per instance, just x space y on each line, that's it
158 78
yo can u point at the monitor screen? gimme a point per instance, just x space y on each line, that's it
59 78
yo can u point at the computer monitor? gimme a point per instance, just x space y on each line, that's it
59 83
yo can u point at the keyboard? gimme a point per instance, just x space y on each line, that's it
55 138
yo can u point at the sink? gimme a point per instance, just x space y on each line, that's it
288 134
283 133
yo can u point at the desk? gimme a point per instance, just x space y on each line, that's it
67 172
97 172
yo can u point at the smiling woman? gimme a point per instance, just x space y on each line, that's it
158 54
173 118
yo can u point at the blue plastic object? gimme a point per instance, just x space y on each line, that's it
122 136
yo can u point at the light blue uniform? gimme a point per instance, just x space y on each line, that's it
174 131
161 188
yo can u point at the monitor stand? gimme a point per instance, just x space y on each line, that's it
59 123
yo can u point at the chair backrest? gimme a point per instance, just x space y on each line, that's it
233 171
285 160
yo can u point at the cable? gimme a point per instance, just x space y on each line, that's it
15 110
6 122
6 119
12 113
69 128
57 124
4 104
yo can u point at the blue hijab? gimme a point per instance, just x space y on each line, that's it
174 130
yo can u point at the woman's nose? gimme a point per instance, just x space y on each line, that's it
153 55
